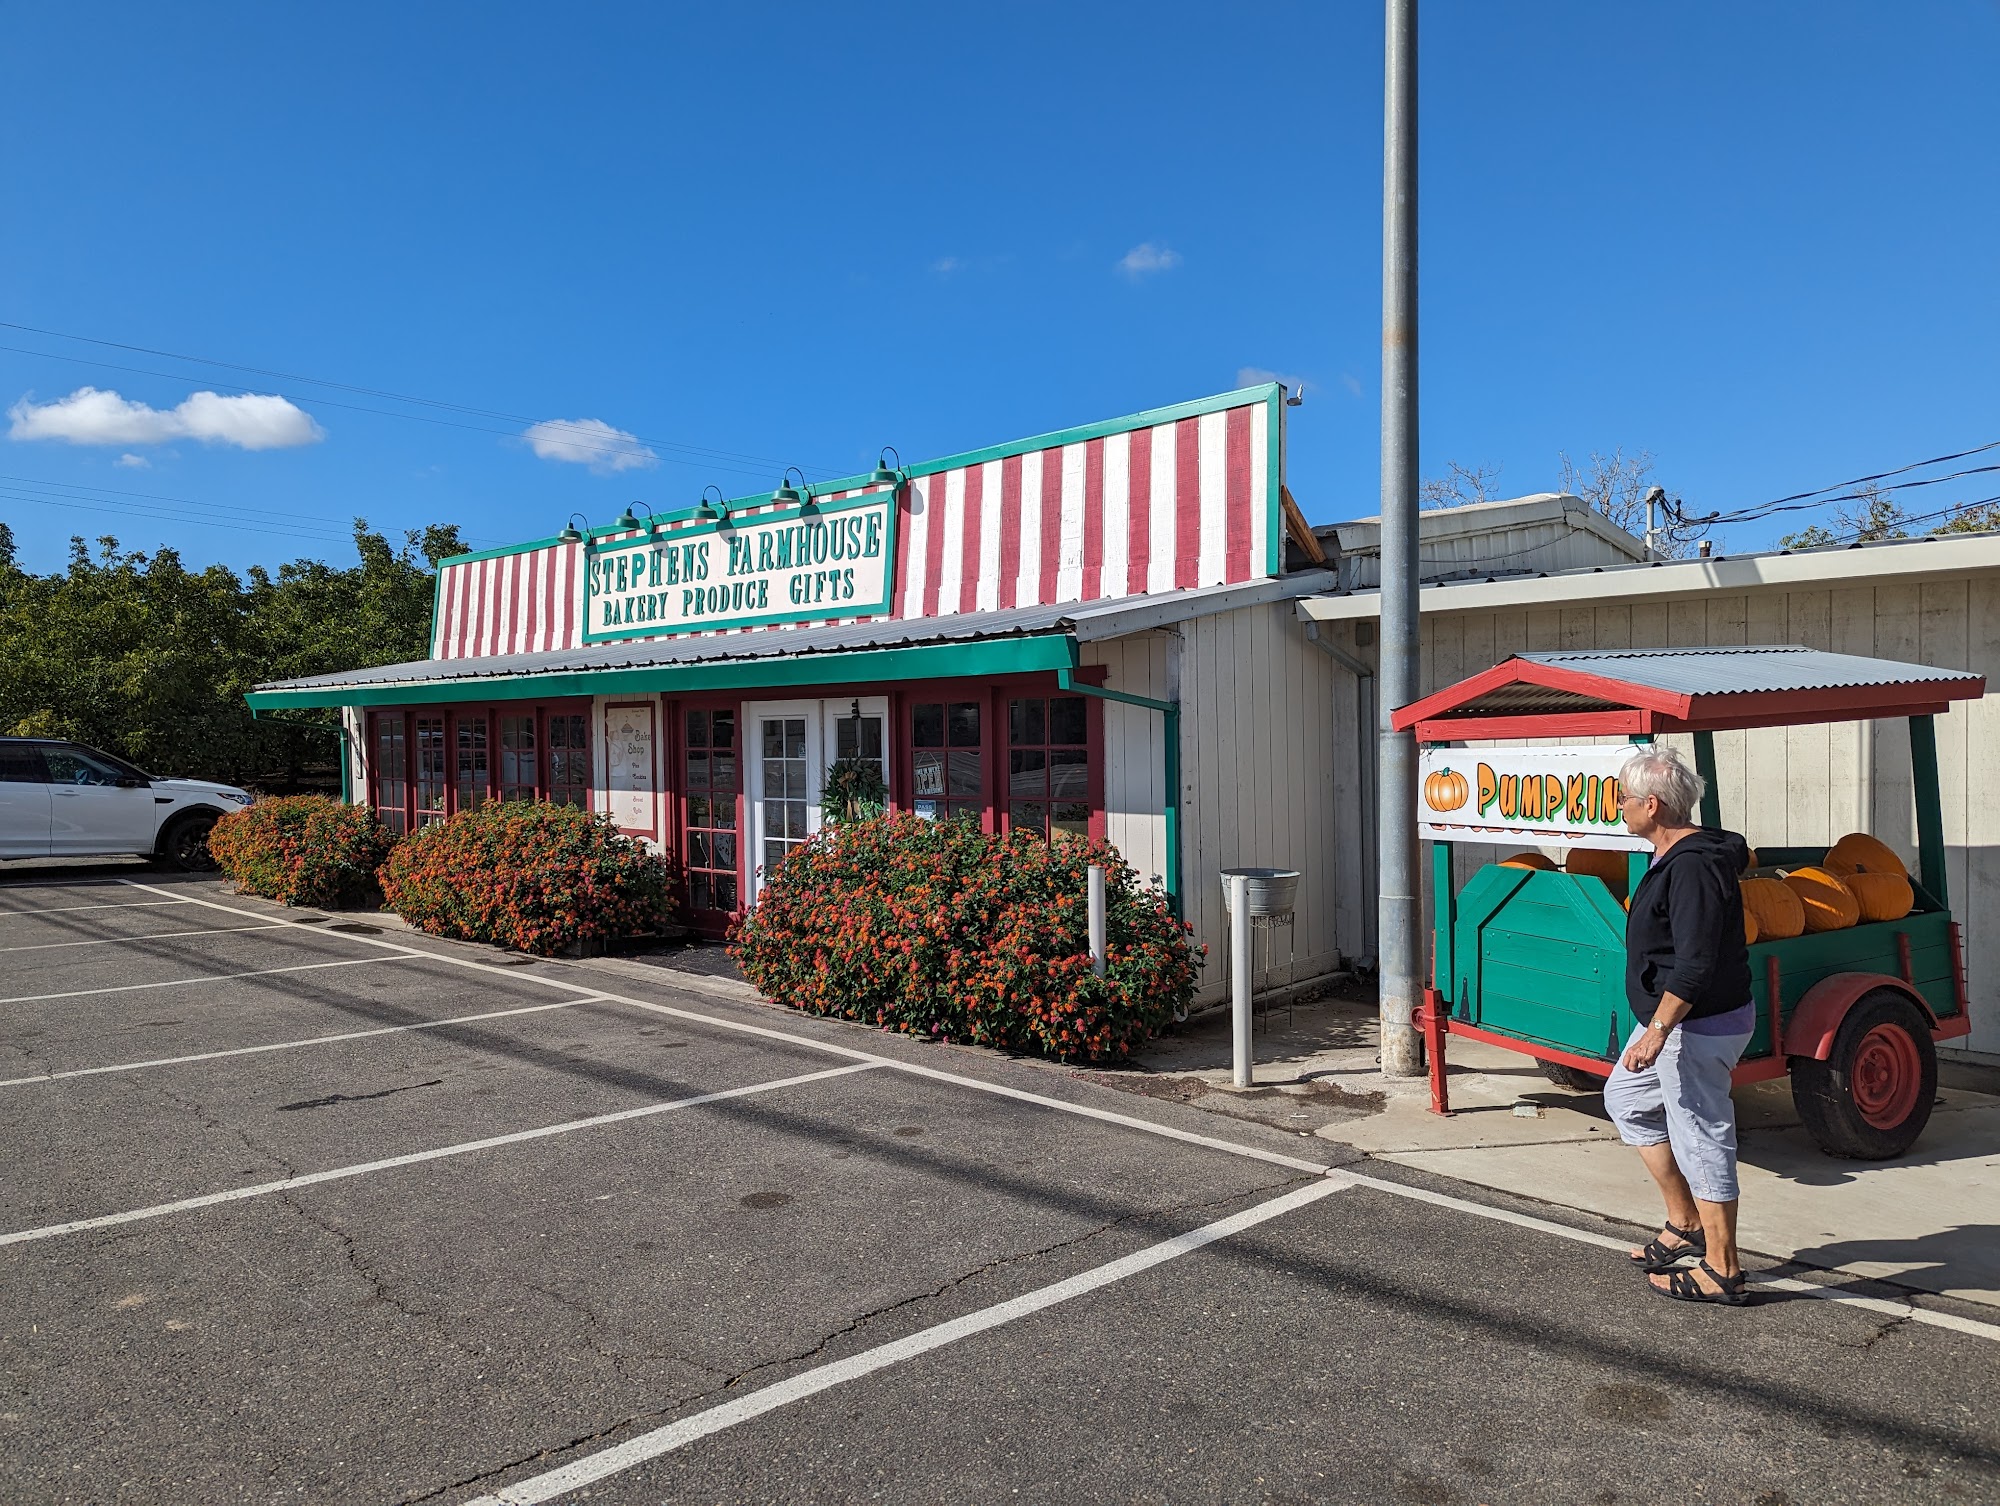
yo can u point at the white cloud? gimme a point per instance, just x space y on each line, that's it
591 442
1351 382
250 421
1147 258
1256 376
944 266
132 462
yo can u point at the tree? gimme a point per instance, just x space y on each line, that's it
142 656
1617 486
1460 486
1864 517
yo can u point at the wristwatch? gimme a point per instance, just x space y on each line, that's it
1664 1030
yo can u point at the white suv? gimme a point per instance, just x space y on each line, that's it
61 799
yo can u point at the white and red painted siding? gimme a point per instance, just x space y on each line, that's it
1186 502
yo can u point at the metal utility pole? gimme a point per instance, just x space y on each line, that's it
1400 914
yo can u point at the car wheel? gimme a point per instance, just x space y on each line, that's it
184 844
1872 1096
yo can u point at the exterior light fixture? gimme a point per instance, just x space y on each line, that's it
799 496
708 510
884 476
629 519
571 534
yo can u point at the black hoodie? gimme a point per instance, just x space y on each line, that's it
1685 934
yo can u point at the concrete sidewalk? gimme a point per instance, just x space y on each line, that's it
1930 1220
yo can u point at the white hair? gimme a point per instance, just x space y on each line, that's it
1660 773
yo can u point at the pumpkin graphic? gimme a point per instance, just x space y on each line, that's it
1446 790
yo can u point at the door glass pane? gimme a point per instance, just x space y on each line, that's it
1048 765
783 739
569 759
710 843
432 769
474 769
518 764
927 725
947 783
392 788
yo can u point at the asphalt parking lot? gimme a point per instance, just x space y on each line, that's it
316 1212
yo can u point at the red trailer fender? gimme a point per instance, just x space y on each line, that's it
1813 1025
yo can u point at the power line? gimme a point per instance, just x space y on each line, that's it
699 453
1800 501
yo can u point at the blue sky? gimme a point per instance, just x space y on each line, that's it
1760 241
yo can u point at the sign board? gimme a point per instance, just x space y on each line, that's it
630 768
1552 797
835 560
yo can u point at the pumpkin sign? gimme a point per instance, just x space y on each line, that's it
1446 790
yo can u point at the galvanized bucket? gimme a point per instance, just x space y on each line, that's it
1272 891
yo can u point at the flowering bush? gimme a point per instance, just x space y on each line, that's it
936 928
529 875
302 850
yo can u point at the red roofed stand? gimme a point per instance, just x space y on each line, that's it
1533 961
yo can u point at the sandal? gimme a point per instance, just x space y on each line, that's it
1683 1287
1657 1259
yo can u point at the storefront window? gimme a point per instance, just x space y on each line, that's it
569 760
712 786
517 758
433 765
475 772
1048 766
947 762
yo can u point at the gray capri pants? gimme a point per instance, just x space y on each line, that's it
1683 1100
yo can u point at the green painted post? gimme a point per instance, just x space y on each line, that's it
1930 807
1444 914
1704 765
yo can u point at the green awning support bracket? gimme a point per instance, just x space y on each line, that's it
1170 732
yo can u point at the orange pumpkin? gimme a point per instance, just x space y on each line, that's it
1749 926
1529 860
1857 852
1829 904
1750 861
1882 896
1600 862
1777 909
1446 790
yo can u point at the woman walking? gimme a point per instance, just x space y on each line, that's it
1687 976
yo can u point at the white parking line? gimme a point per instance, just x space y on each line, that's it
311 1040
143 904
339 1173
1397 1189
262 972
50 946
677 1435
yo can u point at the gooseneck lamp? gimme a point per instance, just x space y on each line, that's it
629 519
799 496
571 534
708 510
884 475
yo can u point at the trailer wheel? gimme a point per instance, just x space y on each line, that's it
1871 1097
184 844
1572 1077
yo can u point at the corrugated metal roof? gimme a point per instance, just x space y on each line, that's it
1742 669
1086 622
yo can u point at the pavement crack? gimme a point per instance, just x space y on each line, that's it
379 1288
684 1403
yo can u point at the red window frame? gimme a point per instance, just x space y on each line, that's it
481 777
711 919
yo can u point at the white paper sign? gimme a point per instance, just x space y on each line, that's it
1556 797
629 762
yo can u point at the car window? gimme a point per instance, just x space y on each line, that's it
68 765
21 763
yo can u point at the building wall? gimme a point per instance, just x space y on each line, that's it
1260 751
1800 786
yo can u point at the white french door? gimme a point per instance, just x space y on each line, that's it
786 766
788 746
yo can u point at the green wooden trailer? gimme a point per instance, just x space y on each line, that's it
1534 960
